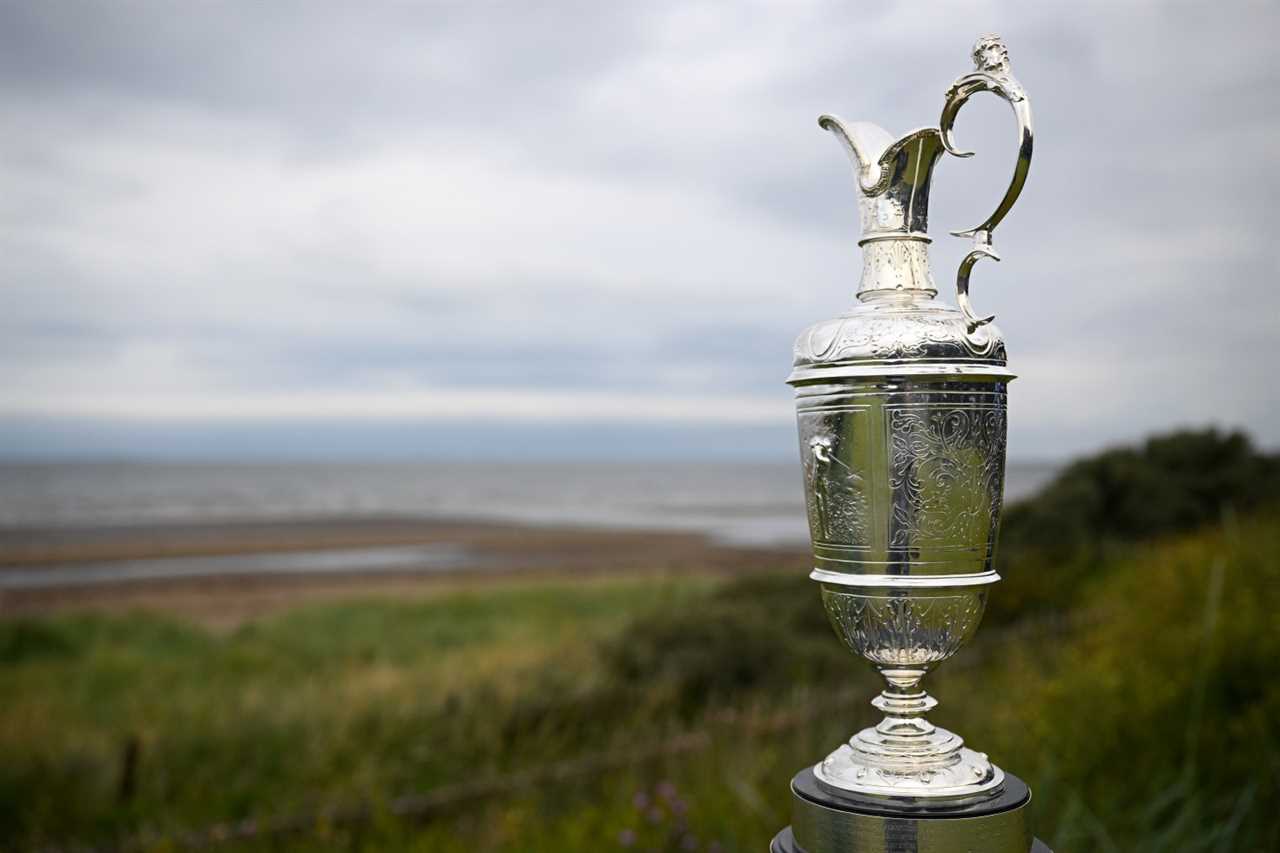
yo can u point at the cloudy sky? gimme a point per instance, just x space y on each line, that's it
550 228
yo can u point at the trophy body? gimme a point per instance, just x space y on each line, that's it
901 412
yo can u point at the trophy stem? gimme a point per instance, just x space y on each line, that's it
904 705
904 739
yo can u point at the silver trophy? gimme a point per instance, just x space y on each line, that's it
901 409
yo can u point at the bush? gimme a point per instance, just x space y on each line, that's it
1172 483
1102 509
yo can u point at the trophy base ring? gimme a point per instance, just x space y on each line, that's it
827 822
785 842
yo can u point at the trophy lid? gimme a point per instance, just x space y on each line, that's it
897 329
885 337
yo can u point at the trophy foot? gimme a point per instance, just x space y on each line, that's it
964 775
906 756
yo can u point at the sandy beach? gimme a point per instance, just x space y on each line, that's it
482 554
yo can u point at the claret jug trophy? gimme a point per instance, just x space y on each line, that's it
901 410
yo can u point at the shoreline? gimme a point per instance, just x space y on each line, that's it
485 554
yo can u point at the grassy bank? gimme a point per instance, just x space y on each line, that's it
297 711
650 713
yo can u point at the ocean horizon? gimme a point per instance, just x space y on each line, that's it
750 503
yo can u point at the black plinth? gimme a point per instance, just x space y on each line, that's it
805 784
825 821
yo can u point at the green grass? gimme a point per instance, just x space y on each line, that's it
647 714
321 704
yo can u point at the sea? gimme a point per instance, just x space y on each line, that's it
756 503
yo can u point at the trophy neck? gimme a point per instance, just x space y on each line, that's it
896 268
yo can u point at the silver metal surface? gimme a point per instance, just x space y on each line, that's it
901 409
991 74
819 829
785 842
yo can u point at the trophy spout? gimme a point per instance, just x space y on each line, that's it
864 142
893 176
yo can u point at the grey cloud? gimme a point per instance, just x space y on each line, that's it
1139 242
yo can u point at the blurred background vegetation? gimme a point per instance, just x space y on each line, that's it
1125 669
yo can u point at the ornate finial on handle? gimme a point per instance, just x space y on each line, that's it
991 74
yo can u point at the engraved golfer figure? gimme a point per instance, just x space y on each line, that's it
835 488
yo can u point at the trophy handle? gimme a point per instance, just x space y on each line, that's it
991 74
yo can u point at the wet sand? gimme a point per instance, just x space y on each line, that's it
480 554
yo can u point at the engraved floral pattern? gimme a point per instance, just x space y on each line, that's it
896 336
947 473
895 264
904 629
891 337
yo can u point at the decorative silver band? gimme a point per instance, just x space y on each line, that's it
904 581
897 235
888 371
